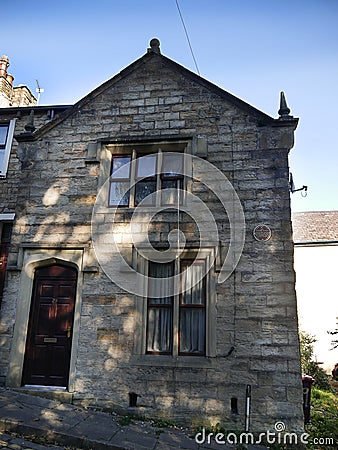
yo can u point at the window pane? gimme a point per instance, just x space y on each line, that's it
192 308
160 327
192 330
143 189
160 285
3 134
171 197
146 166
2 154
171 184
193 285
161 270
118 195
172 165
121 162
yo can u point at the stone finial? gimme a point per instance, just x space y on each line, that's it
154 46
284 111
29 127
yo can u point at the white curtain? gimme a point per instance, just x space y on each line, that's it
192 310
160 308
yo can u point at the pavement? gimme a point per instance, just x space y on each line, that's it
26 421
14 442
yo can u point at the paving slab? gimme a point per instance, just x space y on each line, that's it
18 443
134 441
175 439
26 399
139 435
97 426
84 428
18 412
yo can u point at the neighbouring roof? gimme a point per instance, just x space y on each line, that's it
315 227
14 110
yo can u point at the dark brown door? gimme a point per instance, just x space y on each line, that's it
49 339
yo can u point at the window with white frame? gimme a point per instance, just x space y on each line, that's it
141 170
177 324
6 138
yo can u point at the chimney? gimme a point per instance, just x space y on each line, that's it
12 95
4 63
10 79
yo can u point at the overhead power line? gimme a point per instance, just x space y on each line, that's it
187 36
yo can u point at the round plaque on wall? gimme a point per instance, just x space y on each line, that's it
262 232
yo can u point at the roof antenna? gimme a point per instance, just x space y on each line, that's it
39 90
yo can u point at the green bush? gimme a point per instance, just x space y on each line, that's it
324 418
309 366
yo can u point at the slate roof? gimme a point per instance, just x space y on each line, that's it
315 227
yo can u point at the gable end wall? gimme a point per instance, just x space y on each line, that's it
255 308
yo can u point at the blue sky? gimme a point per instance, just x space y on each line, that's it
251 48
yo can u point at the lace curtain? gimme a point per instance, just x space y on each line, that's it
191 309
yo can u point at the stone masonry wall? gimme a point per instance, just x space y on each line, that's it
255 307
10 186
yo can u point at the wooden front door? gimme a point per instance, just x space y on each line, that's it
49 338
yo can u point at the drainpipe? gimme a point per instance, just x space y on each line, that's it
247 407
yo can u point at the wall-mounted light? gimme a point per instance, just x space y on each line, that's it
293 189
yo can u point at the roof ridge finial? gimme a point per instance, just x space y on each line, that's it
284 110
154 46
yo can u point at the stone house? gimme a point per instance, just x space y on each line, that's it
150 263
316 254
11 95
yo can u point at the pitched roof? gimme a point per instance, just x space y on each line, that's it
261 117
315 227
